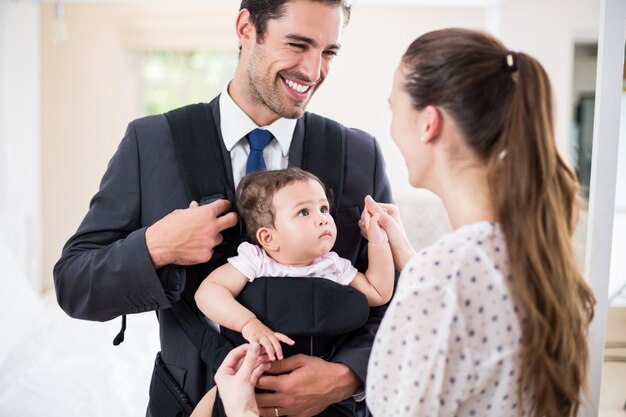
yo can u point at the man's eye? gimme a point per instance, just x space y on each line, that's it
297 45
303 212
330 53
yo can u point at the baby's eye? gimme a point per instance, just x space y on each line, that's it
324 209
303 212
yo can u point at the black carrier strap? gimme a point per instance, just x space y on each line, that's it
324 152
199 152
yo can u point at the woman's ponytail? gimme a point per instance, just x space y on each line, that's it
536 197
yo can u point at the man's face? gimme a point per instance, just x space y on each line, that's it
291 61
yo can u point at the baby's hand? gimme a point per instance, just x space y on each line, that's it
371 228
255 331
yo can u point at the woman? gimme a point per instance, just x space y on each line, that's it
491 319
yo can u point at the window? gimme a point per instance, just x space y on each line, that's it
173 79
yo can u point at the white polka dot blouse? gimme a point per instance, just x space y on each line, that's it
450 342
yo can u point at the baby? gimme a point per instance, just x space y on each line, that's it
287 215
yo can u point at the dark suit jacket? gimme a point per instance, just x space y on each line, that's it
105 270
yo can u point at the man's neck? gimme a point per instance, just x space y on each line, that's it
259 113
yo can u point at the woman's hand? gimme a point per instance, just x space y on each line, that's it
236 378
371 229
390 221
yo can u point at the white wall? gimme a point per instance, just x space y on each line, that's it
548 30
20 201
4 104
617 281
620 187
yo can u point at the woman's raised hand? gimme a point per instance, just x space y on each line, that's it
390 221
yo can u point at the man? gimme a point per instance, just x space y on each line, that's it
138 244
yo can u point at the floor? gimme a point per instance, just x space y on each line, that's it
613 389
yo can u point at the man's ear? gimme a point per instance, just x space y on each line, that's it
265 237
245 28
431 124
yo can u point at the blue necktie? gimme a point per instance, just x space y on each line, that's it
258 140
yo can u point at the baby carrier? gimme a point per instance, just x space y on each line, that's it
317 313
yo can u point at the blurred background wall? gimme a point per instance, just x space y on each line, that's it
71 90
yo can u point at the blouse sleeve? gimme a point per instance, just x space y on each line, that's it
248 260
416 344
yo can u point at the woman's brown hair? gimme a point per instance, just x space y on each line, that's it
502 103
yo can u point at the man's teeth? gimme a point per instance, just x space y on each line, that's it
298 87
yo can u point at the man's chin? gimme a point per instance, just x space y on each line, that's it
296 115
292 109
293 112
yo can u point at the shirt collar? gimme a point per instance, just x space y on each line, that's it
235 124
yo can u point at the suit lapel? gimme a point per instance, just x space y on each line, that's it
297 143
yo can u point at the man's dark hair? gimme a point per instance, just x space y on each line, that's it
261 11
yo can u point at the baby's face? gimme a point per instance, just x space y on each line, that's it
303 225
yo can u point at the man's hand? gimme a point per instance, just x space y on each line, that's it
307 386
188 236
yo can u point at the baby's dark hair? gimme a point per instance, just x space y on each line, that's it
256 191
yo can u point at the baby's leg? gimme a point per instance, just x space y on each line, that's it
205 406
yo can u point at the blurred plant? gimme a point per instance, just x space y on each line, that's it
175 78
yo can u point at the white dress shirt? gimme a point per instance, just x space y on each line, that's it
235 125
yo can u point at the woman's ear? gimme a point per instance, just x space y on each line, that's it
265 237
431 120
245 28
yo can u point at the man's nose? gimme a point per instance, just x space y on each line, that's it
311 65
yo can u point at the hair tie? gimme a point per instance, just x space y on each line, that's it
511 61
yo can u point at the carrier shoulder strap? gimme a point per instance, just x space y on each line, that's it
324 151
199 151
